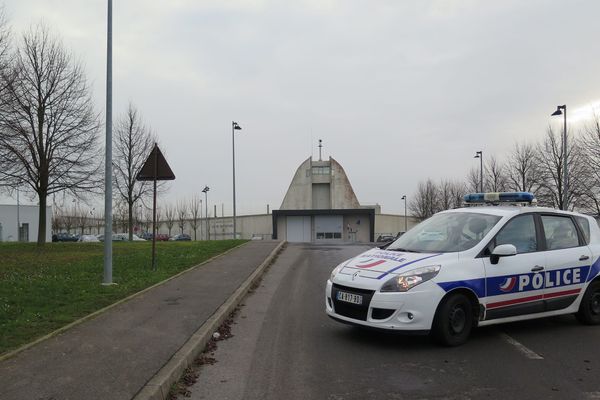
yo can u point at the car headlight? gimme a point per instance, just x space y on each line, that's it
336 270
410 279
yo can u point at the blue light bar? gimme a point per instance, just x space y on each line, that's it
513 197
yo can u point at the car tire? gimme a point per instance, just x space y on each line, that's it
453 320
589 308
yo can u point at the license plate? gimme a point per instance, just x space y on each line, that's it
349 297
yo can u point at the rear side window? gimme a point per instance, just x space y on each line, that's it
520 232
584 224
560 232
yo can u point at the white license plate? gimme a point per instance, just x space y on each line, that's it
349 297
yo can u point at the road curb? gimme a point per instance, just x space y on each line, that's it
158 387
110 306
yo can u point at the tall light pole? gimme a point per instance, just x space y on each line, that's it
108 157
234 126
563 110
405 216
205 191
479 154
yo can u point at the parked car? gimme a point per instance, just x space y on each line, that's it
64 237
385 238
162 237
124 237
88 238
180 237
116 237
136 238
474 266
147 236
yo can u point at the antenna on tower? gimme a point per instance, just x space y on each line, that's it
320 147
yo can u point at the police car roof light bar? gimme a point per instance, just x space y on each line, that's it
499 197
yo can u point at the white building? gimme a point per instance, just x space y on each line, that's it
28 217
320 204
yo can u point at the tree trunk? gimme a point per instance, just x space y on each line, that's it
41 240
130 221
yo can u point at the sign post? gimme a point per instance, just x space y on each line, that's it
155 169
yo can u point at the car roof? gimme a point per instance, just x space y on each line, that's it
502 211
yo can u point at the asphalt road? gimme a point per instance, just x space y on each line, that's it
285 347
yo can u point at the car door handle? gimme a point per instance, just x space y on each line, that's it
537 268
583 258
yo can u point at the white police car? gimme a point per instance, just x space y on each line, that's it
474 266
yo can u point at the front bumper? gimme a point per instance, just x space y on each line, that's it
407 311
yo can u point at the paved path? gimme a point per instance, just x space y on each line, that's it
115 354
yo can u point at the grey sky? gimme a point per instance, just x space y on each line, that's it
398 90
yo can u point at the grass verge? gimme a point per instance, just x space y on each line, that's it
42 290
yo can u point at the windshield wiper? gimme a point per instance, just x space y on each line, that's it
403 250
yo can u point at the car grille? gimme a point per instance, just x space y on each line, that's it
349 310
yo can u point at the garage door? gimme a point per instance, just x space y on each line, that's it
328 227
298 229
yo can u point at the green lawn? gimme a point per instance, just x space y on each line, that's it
43 290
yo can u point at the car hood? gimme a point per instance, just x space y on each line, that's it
377 263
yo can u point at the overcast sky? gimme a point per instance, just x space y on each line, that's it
399 91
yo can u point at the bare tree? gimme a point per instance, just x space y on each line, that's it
133 143
6 69
195 208
49 128
181 214
457 193
473 180
550 162
57 222
69 218
170 217
591 151
521 169
82 218
120 216
425 202
147 217
444 198
495 178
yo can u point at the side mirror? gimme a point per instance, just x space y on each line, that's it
503 250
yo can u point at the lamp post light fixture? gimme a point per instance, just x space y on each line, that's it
205 191
405 216
562 110
234 127
479 154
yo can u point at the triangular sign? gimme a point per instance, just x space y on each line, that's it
156 167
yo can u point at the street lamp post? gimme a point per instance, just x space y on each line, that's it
405 216
205 191
563 110
18 217
234 126
479 154
108 156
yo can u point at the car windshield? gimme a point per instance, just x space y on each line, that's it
446 232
